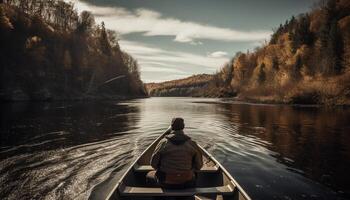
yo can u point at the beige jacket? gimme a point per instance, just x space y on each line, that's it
177 153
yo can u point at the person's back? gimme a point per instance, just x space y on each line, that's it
176 157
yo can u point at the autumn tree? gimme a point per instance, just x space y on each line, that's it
53 44
132 64
113 39
5 24
217 79
85 23
227 73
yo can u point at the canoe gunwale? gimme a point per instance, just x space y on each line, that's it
232 180
115 188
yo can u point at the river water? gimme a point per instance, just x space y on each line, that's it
75 150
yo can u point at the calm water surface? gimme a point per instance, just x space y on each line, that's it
79 150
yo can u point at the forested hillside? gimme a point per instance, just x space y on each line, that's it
191 86
49 51
307 60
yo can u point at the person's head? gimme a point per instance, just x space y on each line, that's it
177 124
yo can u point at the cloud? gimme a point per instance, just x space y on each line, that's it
218 54
152 23
161 69
164 78
144 52
156 62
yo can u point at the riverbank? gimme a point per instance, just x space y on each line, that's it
22 97
324 91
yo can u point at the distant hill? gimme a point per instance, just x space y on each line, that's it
307 60
49 51
191 86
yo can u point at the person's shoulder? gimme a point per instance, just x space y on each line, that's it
163 142
192 142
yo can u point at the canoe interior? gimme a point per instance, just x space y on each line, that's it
212 182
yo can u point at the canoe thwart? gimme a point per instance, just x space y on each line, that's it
199 197
147 168
143 168
158 191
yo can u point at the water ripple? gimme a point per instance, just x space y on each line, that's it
80 151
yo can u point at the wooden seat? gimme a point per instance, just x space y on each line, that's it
147 168
148 191
209 169
199 197
143 168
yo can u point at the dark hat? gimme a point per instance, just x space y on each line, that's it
177 124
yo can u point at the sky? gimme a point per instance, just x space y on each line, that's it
174 39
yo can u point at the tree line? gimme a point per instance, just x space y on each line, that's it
306 56
306 60
49 50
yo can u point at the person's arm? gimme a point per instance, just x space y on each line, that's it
197 159
155 160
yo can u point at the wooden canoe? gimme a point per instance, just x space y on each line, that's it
213 182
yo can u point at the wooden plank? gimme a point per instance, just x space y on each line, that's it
148 191
216 197
209 169
143 168
147 168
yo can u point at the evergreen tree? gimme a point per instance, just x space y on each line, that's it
304 31
262 74
290 25
104 42
330 14
296 71
334 49
301 34
324 34
275 64
331 41
276 34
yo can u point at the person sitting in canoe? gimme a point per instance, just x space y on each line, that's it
175 158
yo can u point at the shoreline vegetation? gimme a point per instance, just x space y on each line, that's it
306 61
51 52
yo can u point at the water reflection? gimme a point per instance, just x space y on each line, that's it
310 141
62 150
79 150
75 123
